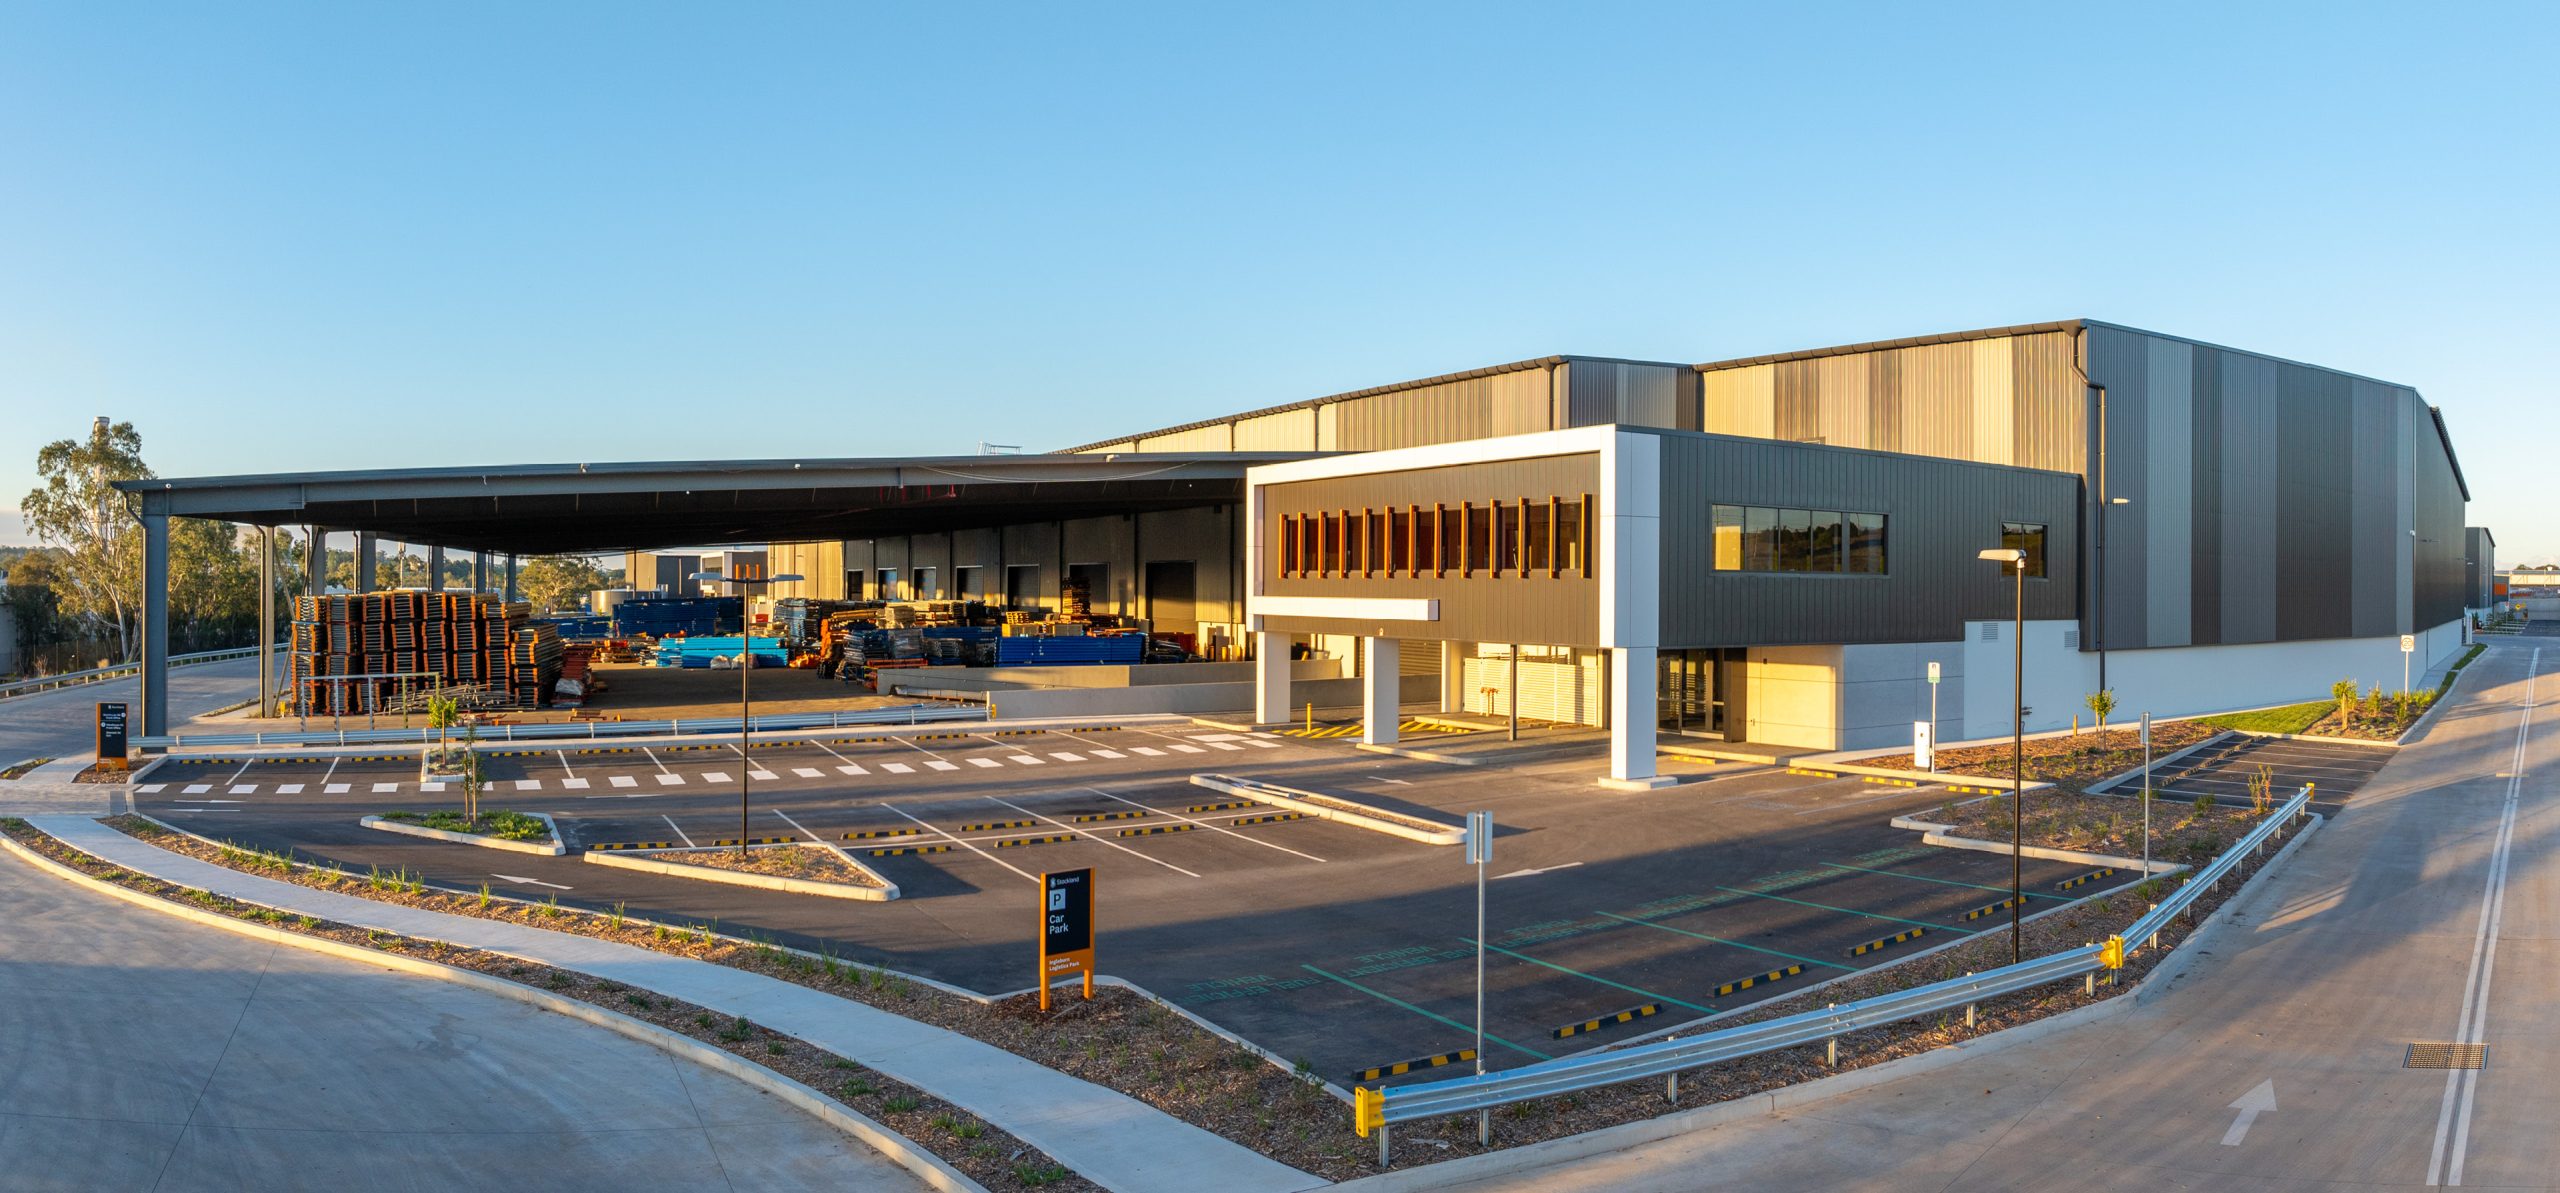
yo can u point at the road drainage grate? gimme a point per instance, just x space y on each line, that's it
2448 1056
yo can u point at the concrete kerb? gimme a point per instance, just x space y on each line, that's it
1933 833
1420 755
554 849
1550 1153
634 860
1336 809
929 1168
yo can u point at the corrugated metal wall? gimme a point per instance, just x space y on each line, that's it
1999 400
1938 514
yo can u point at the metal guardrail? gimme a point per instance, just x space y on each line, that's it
1376 1109
68 679
909 714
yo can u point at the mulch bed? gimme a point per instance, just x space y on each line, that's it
1126 1042
812 862
991 1156
2071 762
2108 824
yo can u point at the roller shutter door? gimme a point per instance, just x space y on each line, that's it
1558 684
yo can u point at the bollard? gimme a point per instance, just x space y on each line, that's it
1968 1008
1831 1052
1671 1089
1484 1128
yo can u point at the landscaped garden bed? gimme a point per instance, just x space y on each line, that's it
2370 715
809 863
992 1157
2181 831
505 826
2072 762
1127 1042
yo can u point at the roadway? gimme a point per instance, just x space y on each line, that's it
144 1052
62 722
2276 1058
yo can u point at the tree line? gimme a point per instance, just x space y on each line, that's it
75 600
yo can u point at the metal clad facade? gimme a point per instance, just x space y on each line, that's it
1938 513
2000 400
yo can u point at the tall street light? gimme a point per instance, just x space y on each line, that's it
2016 561
746 663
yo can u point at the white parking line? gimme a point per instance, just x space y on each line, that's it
1064 756
897 768
808 772
852 768
715 776
431 787
1171 814
1260 744
1109 754
762 774
1149 751
574 784
244 769
623 781
198 788
671 779
384 788
1222 745
335 788
663 772
963 844
1026 760
564 764
989 763
938 764
157 788
918 749
287 789
244 789
671 823
327 774
532 881
1092 836
528 784
1192 749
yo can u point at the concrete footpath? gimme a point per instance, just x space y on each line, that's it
1114 1140
144 1052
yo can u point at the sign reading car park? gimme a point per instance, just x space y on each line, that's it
111 736
1066 929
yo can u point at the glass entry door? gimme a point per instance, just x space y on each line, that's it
1685 698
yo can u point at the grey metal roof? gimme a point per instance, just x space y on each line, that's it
552 508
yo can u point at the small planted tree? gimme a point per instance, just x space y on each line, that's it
2100 704
2344 692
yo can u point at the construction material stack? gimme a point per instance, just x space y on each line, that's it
662 617
354 653
533 663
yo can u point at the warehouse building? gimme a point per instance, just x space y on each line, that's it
1775 550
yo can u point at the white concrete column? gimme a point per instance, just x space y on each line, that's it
1631 721
1270 678
1453 677
1381 690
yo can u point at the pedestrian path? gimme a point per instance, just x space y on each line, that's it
1110 1138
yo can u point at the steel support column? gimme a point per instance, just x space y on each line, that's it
368 561
1381 690
1270 677
155 624
479 571
435 569
511 576
266 620
1631 720
315 560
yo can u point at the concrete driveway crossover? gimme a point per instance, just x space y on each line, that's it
2425 912
141 1052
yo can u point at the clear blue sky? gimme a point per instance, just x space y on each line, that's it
366 235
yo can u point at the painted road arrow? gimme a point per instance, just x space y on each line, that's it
531 881
2250 1105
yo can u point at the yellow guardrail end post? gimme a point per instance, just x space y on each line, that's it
2111 954
1368 1109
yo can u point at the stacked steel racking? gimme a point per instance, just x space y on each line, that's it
366 652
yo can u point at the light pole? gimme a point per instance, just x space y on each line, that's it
746 663
2016 561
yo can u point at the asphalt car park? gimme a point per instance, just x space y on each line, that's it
1341 946
2336 770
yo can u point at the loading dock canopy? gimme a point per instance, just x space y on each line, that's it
542 509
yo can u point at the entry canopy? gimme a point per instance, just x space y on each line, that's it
546 509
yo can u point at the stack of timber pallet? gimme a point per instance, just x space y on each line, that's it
533 663
356 653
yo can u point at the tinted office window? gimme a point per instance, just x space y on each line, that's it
1453 539
1426 541
1540 535
1399 542
1288 544
1759 539
1795 540
1866 544
1569 537
1479 539
1506 538
2027 537
1353 534
1826 542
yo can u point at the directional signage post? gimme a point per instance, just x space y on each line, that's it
2408 645
111 736
1066 929
1927 763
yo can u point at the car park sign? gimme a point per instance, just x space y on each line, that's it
1066 929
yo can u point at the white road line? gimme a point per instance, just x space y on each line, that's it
333 770
1064 756
335 788
1026 760
963 844
715 776
157 788
1149 751
244 769
1260 744
1223 745
531 881
430 787
938 764
209 801
671 823
244 789
808 772
1191 749
671 779
918 749
528 784
897 768
574 784
1539 870
1109 754
820 842
762 775
653 761
1092 836
383 788
563 755
287 789
989 763
197 788
2453 1117
1171 814
852 768
622 781
1397 782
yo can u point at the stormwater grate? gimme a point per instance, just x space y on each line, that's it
2447 1056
